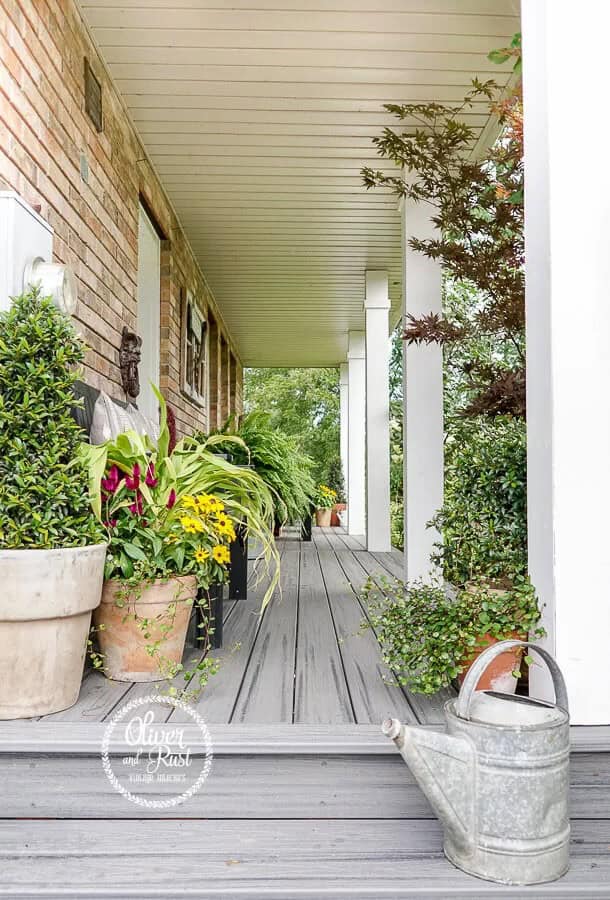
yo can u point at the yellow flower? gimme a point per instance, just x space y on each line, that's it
189 502
190 525
221 554
201 555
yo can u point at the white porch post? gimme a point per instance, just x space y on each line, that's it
343 423
568 328
423 399
356 432
377 306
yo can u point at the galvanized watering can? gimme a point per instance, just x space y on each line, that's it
499 779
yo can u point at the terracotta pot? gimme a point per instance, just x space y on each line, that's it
334 518
323 517
498 674
45 614
122 642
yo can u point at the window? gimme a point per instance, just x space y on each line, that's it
194 347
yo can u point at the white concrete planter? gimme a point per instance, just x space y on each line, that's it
46 599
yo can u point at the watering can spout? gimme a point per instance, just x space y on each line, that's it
444 768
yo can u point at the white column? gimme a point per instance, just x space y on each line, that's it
356 432
377 306
343 423
423 399
568 330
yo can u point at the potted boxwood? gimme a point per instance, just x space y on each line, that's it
325 500
52 548
431 636
170 519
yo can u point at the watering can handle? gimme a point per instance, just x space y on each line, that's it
480 664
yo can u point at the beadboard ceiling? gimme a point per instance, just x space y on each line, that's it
258 116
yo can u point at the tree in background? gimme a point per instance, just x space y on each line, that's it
304 404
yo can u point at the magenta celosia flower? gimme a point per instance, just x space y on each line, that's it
132 482
111 482
111 523
137 507
150 479
171 500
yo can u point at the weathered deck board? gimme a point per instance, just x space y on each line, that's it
267 690
321 691
252 786
374 695
288 859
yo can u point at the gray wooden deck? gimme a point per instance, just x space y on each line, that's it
306 660
305 799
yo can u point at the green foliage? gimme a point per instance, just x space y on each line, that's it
335 479
484 520
276 457
43 484
428 637
303 404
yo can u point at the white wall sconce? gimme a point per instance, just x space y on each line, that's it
54 280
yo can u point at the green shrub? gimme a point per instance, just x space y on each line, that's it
484 517
44 500
427 636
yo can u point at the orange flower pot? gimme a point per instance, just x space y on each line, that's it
498 674
123 644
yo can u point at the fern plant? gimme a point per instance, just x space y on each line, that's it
277 459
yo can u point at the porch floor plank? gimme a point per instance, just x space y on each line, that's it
267 690
321 691
288 859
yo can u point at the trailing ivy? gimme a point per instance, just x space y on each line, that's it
428 637
44 500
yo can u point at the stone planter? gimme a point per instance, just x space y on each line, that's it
323 517
45 613
123 644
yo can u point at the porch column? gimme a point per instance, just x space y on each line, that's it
568 363
343 423
356 377
423 399
377 306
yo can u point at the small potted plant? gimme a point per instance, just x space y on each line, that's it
325 500
52 548
170 517
431 637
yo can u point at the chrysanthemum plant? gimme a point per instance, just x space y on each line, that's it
171 514
326 497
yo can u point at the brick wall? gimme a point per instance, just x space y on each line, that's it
44 134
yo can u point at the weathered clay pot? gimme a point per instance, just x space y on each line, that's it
45 613
323 517
498 675
334 517
122 641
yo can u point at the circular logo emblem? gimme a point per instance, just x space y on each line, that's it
153 762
